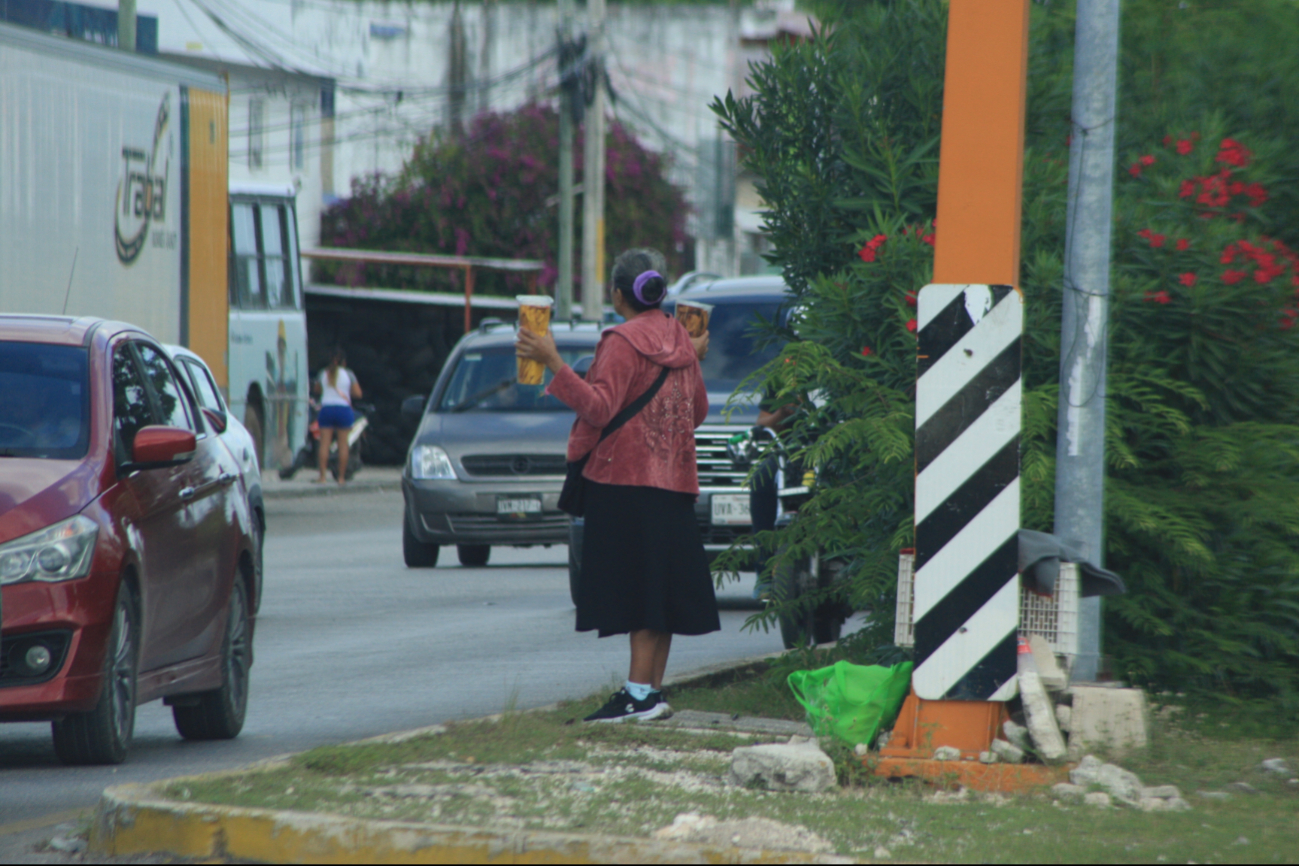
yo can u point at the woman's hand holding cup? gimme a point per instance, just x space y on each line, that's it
701 345
540 348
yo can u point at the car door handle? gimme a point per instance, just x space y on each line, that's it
220 481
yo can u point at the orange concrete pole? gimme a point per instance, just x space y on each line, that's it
981 164
980 178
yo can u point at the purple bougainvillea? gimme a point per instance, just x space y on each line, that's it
485 194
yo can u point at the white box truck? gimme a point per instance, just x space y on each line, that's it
114 202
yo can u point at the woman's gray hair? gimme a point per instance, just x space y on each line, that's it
630 265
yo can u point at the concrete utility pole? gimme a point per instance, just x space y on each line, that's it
126 25
1084 327
593 175
564 284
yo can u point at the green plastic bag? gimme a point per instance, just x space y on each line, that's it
851 702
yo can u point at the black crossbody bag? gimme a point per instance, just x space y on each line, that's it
572 498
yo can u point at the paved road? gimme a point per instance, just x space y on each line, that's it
350 644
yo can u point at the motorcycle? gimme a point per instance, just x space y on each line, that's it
307 455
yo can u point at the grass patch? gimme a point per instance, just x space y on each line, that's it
547 770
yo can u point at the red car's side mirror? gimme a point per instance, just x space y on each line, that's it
157 447
216 419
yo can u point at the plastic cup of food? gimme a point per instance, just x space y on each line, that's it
694 316
534 314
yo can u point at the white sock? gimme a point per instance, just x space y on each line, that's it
639 691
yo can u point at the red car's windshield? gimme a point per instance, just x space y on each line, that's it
44 392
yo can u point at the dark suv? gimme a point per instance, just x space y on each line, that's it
487 463
736 349
127 545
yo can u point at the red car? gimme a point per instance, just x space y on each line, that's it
126 542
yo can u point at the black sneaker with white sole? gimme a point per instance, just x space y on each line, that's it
623 707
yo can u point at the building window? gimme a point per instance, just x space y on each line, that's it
298 136
256 131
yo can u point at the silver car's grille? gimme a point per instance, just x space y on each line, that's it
548 528
715 467
514 465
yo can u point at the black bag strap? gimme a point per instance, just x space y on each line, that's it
634 407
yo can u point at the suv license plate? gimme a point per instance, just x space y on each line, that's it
731 509
518 507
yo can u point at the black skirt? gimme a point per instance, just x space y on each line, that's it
643 564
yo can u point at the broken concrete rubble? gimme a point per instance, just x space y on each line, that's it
1119 783
1008 752
1016 734
796 766
1040 714
947 753
1048 668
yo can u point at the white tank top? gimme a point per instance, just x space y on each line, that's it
339 393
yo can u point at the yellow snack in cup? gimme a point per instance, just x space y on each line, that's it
694 316
534 314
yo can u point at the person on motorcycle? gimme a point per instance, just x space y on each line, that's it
338 388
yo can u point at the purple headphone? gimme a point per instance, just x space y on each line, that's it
639 285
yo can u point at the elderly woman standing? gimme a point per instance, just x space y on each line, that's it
644 572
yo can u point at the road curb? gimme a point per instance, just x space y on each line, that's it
134 820
275 489
137 819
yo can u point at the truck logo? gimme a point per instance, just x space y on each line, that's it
142 190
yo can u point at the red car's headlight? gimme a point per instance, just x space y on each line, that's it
59 552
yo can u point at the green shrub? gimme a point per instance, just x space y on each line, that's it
1202 495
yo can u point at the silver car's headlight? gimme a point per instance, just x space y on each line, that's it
430 461
59 552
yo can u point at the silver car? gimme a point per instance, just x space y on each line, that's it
487 463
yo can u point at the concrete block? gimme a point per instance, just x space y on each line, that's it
1040 713
1008 752
1097 798
947 753
801 767
1063 716
1066 791
1113 720
1053 676
1016 734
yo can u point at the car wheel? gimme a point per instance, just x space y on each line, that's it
474 555
103 735
418 554
219 714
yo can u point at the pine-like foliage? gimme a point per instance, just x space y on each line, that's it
1202 495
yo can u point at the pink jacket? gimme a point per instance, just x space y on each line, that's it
656 448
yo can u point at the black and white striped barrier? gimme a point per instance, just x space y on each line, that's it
968 396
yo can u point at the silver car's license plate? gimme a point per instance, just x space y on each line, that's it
731 509
518 507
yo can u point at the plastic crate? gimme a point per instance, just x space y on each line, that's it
1055 617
